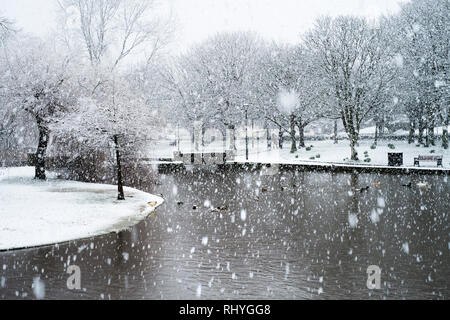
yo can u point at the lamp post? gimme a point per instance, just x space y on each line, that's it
178 136
246 132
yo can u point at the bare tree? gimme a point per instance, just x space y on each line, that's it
355 63
6 28
113 29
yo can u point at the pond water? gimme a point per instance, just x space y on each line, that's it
295 235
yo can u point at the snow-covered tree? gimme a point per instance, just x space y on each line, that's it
112 116
8 125
183 95
350 56
37 84
111 31
281 72
267 89
290 92
424 30
6 28
213 80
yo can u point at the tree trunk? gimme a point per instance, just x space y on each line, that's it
293 143
353 142
224 139
193 139
431 133
232 137
445 134
203 138
120 193
421 129
41 150
412 130
430 125
380 129
301 135
350 120
445 138
253 132
335 132
197 136
280 137
375 141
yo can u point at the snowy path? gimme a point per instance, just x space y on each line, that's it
34 213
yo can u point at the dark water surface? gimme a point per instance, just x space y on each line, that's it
296 235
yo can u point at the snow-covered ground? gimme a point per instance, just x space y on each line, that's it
328 152
322 152
34 213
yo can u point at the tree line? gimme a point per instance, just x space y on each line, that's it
105 80
345 68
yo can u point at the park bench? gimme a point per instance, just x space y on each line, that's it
420 158
207 158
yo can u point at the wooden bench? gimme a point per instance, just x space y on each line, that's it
438 159
207 158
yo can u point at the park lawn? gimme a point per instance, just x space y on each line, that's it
328 152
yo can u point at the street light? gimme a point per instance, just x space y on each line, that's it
246 132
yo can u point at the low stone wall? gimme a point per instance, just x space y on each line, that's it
175 167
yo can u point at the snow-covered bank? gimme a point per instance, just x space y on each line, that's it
323 153
326 152
34 213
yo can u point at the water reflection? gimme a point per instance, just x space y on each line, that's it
242 235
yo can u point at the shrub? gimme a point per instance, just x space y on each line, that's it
318 156
312 158
296 156
391 146
308 148
367 160
373 147
432 151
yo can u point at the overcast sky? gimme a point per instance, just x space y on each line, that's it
281 20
